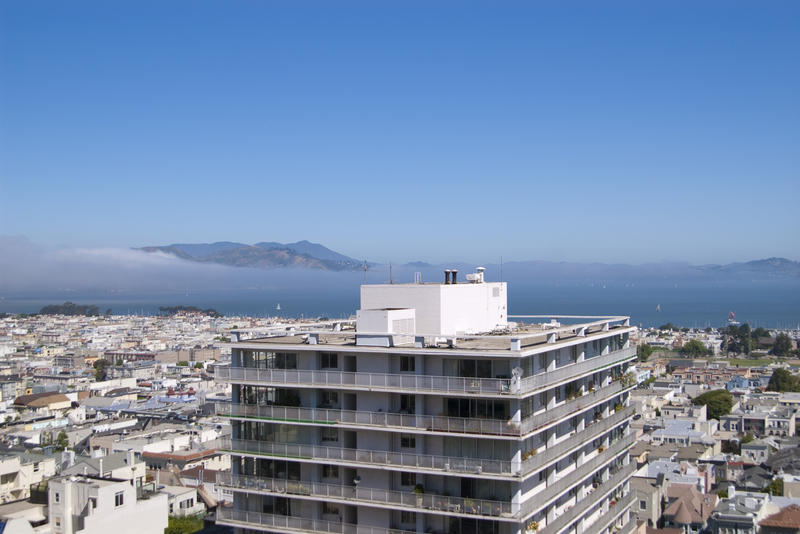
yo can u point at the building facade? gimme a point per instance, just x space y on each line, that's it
432 413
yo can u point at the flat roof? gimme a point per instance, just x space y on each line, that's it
532 338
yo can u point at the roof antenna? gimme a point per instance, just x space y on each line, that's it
390 273
364 276
501 268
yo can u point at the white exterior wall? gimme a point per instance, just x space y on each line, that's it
444 309
132 517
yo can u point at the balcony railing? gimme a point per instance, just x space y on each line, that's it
366 381
583 471
324 416
612 515
584 504
373 496
592 431
432 423
284 523
453 385
399 460
576 405
567 372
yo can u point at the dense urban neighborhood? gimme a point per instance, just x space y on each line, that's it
107 416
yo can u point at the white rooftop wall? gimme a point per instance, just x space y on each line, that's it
444 309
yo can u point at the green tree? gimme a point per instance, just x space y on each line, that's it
198 365
747 438
783 380
100 370
782 346
775 487
644 351
718 402
668 326
694 348
62 441
182 363
183 525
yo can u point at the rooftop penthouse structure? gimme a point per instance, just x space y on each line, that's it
433 411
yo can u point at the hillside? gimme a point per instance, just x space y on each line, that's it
264 255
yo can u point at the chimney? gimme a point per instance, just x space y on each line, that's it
455 274
447 276
101 468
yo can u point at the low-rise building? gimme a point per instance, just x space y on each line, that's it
93 505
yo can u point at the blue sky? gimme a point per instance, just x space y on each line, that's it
397 131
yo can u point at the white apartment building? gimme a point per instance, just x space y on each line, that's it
434 414
91 505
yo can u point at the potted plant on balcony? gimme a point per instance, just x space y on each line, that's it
532 526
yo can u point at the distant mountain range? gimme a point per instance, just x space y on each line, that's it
265 255
304 254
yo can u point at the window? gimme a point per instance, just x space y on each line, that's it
407 364
118 498
543 361
171 508
642 505
328 361
408 403
329 399
407 479
92 503
329 434
408 517
330 471
58 497
329 509
188 503
408 441
35 467
58 521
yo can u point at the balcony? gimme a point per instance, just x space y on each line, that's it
442 385
400 421
284 523
575 370
438 385
612 515
381 420
350 494
583 471
369 458
550 454
574 406
583 505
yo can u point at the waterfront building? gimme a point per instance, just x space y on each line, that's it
432 412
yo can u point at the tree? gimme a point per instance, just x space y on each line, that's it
783 380
183 525
694 348
198 365
182 363
100 370
644 351
775 487
668 326
62 441
718 402
782 346
747 438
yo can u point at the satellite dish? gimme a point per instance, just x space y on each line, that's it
516 372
